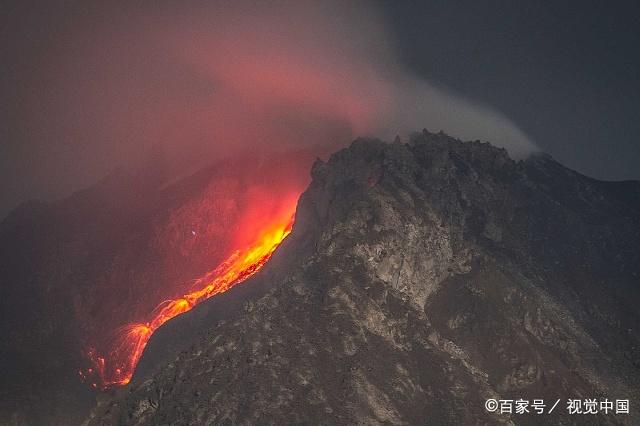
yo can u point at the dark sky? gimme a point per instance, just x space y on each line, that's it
566 73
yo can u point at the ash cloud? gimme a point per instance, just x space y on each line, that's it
207 81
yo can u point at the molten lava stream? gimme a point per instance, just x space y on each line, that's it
116 368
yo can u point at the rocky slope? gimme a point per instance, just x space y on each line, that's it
420 279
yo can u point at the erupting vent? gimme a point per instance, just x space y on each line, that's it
116 367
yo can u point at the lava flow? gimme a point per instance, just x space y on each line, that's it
116 367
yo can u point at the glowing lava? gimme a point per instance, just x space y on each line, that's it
117 366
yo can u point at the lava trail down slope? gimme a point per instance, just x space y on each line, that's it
87 280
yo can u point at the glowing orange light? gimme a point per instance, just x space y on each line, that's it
116 368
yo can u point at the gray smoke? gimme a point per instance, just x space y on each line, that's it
208 80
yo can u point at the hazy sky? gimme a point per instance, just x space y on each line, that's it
86 87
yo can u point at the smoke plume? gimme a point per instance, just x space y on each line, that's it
210 80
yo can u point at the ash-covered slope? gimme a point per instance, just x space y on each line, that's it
419 280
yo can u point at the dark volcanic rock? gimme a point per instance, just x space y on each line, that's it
420 279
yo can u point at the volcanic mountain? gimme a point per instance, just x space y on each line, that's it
419 280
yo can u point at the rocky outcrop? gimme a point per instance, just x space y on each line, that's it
420 279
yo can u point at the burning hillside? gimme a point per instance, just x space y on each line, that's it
113 263
117 365
220 239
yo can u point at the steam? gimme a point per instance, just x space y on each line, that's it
205 81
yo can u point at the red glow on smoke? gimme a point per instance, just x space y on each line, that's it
116 366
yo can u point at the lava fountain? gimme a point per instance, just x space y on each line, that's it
117 365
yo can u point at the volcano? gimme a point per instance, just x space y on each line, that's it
417 280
